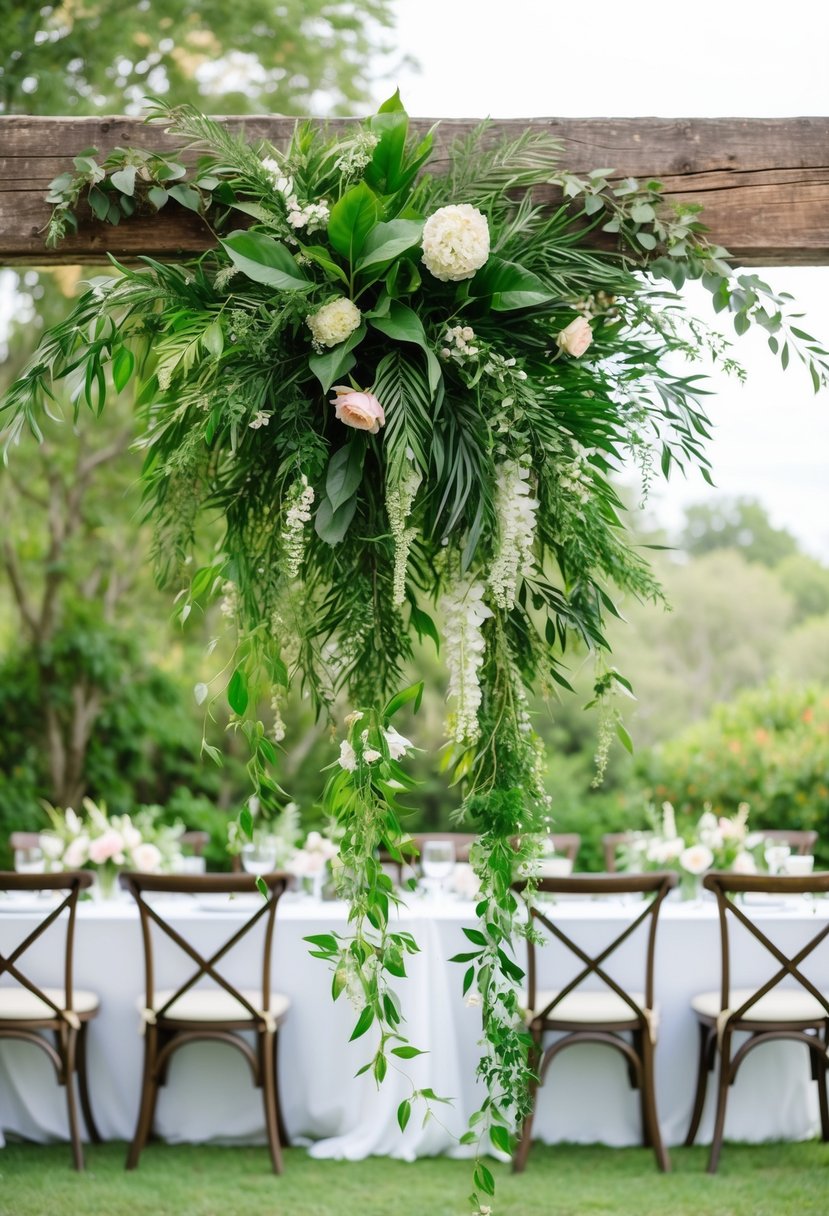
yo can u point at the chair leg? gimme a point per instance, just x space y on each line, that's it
722 1100
83 1086
819 1065
280 1118
707 1056
268 1073
650 1118
522 1150
149 1091
69 1045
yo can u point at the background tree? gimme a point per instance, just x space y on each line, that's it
736 523
289 57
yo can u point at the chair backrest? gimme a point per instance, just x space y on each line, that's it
724 885
140 884
567 844
195 841
69 883
24 840
800 842
656 884
611 843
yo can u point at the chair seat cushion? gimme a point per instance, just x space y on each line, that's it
779 1005
18 1004
588 1007
216 1005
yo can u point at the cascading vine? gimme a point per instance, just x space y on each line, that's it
405 396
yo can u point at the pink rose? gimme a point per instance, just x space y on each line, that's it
146 857
575 338
360 410
107 846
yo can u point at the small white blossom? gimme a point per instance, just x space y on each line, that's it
398 744
464 613
458 339
260 418
371 756
299 500
348 757
515 512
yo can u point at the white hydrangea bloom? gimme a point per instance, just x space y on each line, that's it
300 499
455 242
334 322
515 511
399 500
464 612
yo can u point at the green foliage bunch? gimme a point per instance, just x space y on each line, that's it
769 747
490 373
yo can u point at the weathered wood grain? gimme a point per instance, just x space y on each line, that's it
764 183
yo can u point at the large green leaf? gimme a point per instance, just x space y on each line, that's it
345 472
265 260
330 525
404 325
385 242
352 218
509 286
333 365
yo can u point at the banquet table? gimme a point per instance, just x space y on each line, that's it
586 1097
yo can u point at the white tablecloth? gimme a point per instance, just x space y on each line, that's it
586 1097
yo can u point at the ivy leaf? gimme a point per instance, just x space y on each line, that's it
345 472
499 1136
265 260
124 180
407 1053
186 196
404 1112
351 220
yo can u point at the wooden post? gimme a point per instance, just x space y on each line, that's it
764 182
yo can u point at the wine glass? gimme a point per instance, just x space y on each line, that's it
29 860
437 861
259 856
776 857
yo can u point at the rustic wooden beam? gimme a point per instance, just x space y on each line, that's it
764 182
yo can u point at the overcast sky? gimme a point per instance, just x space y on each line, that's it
532 58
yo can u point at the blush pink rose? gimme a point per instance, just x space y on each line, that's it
575 338
361 410
106 846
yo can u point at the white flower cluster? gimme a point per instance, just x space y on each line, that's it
464 612
455 242
229 603
278 729
399 500
398 746
595 305
515 512
300 499
576 479
457 341
334 322
356 154
311 216
261 418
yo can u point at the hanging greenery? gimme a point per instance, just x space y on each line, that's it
405 397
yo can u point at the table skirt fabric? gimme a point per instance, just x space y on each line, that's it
586 1097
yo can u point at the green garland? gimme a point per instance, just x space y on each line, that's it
491 371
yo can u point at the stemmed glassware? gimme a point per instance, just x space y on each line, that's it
259 856
437 861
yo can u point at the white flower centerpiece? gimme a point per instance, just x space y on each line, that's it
108 844
714 842
312 864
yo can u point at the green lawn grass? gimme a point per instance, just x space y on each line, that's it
755 1180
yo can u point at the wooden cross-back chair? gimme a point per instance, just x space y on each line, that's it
800 842
30 1011
188 1014
606 1016
766 1013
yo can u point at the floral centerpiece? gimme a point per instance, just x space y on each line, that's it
405 393
712 843
108 843
313 863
